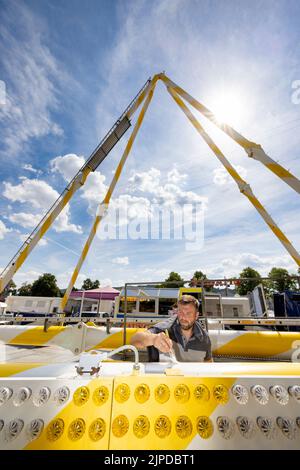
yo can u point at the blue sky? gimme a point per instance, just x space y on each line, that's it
70 69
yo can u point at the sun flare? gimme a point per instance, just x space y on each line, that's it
229 108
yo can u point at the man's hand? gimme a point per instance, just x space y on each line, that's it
162 342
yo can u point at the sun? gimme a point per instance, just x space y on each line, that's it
229 107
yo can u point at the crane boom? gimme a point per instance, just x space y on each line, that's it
244 187
98 155
252 149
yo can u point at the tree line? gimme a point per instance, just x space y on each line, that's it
279 280
44 286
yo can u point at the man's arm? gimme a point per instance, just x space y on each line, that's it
208 357
142 339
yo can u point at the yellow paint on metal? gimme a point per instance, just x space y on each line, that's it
189 290
279 170
84 427
172 423
36 336
7 369
259 343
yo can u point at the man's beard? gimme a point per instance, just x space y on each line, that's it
187 326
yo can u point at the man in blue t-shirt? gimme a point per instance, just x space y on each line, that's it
181 334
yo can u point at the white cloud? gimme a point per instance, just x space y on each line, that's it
39 195
171 194
94 190
164 194
67 165
106 282
175 177
34 191
63 279
262 264
62 223
25 219
29 167
121 260
34 76
3 230
147 181
222 177
29 276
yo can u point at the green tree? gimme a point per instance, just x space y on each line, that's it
89 284
280 280
198 276
25 289
248 285
197 279
45 286
10 289
173 280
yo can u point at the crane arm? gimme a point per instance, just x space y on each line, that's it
252 149
102 208
96 158
243 186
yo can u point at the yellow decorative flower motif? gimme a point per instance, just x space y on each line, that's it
100 395
97 429
204 427
162 426
182 393
183 427
202 393
141 426
142 393
76 429
221 394
55 429
162 393
120 426
81 396
122 393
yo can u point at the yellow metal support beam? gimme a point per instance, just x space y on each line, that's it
103 206
77 183
243 186
252 149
